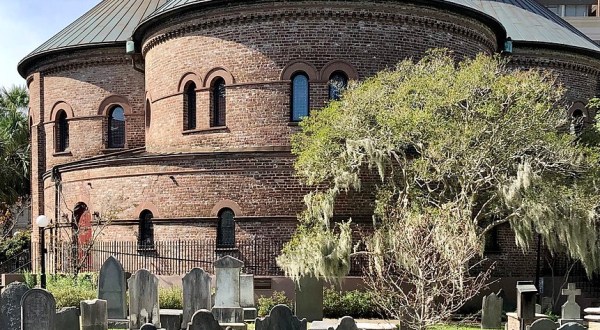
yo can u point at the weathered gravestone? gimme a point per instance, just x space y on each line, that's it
143 299
247 297
491 312
543 324
346 323
196 294
572 326
571 311
94 314
111 287
309 298
148 326
10 305
203 320
38 310
227 307
280 317
67 318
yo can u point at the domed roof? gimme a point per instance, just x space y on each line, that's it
114 21
108 23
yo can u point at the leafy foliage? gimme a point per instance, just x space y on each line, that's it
171 298
358 304
69 290
459 148
12 246
265 304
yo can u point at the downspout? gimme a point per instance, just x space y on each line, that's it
56 177
135 57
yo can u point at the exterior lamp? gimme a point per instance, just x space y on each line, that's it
42 222
508 47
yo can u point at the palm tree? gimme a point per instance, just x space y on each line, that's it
14 144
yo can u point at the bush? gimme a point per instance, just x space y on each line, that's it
69 290
265 304
358 304
30 279
170 298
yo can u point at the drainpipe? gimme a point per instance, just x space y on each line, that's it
56 177
135 57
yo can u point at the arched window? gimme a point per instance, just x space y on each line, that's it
116 128
338 81
62 131
189 101
226 229
299 96
146 231
148 114
217 99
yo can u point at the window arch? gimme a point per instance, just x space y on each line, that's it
189 103
62 131
116 127
300 96
338 81
226 229
146 230
218 102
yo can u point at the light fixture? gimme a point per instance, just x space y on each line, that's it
42 221
508 46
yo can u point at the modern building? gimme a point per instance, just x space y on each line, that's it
582 14
170 120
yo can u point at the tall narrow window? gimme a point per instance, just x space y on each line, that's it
217 96
337 84
116 128
62 132
148 114
226 229
146 231
299 96
190 105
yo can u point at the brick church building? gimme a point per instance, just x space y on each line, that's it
168 120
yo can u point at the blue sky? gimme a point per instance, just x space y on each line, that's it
26 24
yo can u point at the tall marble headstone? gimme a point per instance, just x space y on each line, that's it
143 299
491 312
227 307
247 297
94 314
10 305
280 317
196 294
571 311
38 309
203 320
112 288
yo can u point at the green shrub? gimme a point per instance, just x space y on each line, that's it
30 279
170 298
358 304
265 304
69 290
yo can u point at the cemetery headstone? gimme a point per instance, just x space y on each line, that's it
247 297
112 288
543 324
170 319
570 312
67 318
491 312
280 317
38 310
203 320
196 294
94 314
148 326
309 299
10 303
143 299
571 326
346 323
227 307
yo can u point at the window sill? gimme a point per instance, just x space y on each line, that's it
62 154
147 249
293 123
112 150
226 248
216 129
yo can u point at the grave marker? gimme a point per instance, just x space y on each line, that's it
143 299
94 314
38 310
111 287
491 312
196 294
10 305
203 320
280 317
227 307
570 311
67 318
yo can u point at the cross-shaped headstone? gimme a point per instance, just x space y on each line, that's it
570 309
571 292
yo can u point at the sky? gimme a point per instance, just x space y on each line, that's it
26 24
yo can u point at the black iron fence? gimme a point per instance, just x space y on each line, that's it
19 263
174 257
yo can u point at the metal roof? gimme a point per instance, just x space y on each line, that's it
528 21
109 22
114 21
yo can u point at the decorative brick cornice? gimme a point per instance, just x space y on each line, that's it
76 65
388 17
562 61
